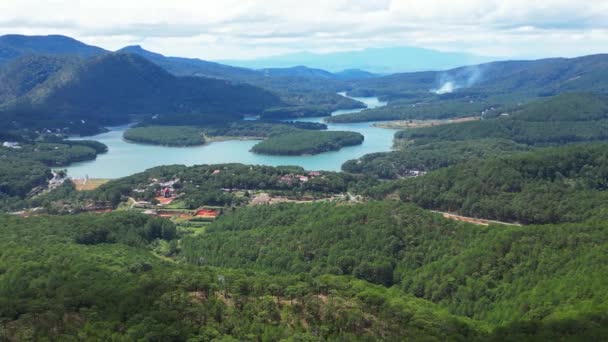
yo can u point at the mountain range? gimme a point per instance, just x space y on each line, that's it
376 60
56 82
14 46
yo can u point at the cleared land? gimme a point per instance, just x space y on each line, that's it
83 184
402 124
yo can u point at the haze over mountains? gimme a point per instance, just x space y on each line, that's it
376 60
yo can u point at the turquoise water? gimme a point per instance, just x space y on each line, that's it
124 158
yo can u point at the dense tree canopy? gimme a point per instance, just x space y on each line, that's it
307 142
121 291
499 274
402 162
166 135
542 186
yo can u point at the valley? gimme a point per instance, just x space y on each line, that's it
154 198
124 158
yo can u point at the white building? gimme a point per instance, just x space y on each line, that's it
11 144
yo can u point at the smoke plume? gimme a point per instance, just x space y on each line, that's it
457 79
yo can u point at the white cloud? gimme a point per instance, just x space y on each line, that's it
244 28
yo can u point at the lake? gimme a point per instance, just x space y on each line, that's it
125 158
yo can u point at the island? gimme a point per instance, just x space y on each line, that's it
166 135
307 142
184 135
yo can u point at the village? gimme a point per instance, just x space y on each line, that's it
166 197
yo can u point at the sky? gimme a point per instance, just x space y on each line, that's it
242 29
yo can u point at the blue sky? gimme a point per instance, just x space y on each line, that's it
229 29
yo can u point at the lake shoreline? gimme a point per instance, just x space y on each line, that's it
126 158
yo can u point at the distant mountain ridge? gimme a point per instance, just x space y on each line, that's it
13 46
198 67
190 66
375 60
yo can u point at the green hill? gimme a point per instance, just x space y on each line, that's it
565 184
13 46
411 160
307 142
22 75
108 89
499 274
299 88
101 272
510 80
561 119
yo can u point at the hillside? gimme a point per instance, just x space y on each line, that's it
22 75
13 46
500 275
102 271
108 89
506 80
299 89
565 184
414 159
380 270
305 91
191 66
562 119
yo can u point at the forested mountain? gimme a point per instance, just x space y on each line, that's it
561 119
566 184
299 89
191 66
411 160
22 75
13 46
508 79
354 74
94 277
500 274
304 91
568 107
108 89
564 118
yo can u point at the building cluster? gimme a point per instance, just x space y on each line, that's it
291 178
414 173
165 194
